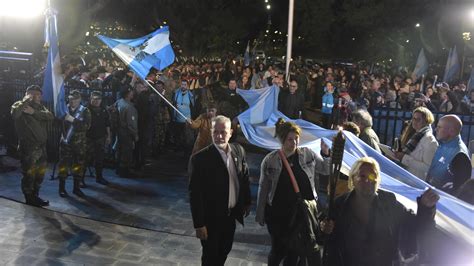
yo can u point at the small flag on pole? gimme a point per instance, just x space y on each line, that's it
53 84
141 54
247 55
421 67
470 83
452 66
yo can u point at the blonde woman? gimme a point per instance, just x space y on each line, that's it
418 152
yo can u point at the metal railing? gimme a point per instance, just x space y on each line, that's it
388 124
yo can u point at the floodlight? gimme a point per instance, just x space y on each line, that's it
22 8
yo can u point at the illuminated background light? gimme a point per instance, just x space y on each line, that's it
22 8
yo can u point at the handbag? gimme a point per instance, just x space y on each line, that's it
304 224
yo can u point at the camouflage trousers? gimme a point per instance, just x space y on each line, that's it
72 158
159 136
33 167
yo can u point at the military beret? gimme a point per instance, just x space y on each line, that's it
34 88
74 94
96 94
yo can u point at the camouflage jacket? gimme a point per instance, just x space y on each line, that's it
31 129
78 127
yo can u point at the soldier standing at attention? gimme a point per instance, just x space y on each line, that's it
127 132
98 135
73 147
31 118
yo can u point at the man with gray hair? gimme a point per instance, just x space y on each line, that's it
364 120
219 192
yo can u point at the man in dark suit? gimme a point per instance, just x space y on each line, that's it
219 191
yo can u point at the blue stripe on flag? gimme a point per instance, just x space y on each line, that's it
141 54
394 178
53 84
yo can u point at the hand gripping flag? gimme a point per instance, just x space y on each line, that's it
53 84
141 54
453 216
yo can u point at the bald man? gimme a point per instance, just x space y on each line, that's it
450 166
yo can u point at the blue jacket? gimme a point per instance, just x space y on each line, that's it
328 103
439 173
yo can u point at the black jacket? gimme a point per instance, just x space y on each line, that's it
391 227
209 186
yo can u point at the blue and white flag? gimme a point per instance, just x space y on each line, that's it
470 82
421 67
257 123
53 84
141 54
247 55
452 66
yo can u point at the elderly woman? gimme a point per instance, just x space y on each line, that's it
366 223
417 154
276 196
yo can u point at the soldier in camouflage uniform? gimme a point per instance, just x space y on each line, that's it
162 119
31 119
73 147
127 132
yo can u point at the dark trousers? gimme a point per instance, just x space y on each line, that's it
280 251
96 153
126 145
219 242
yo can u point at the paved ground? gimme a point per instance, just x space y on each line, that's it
131 221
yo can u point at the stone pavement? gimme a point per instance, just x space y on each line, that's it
132 221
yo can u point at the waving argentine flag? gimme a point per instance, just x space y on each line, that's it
454 216
141 54
452 66
53 84
421 67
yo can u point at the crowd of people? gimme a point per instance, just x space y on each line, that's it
192 108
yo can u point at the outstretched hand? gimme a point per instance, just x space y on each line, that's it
429 198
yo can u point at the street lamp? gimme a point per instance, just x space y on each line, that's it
268 7
417 25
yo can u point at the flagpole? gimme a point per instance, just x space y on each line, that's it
290 39
166 100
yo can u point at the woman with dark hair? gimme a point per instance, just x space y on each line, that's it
276 196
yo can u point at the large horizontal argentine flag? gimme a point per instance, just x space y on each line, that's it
53 84
141 54
453 215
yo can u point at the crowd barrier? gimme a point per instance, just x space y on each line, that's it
388 124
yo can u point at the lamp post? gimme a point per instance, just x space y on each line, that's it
466 37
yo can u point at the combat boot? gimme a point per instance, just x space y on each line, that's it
31 200
62 188
77 188
39 200
99 178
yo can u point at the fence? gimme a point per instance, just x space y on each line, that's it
388 124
